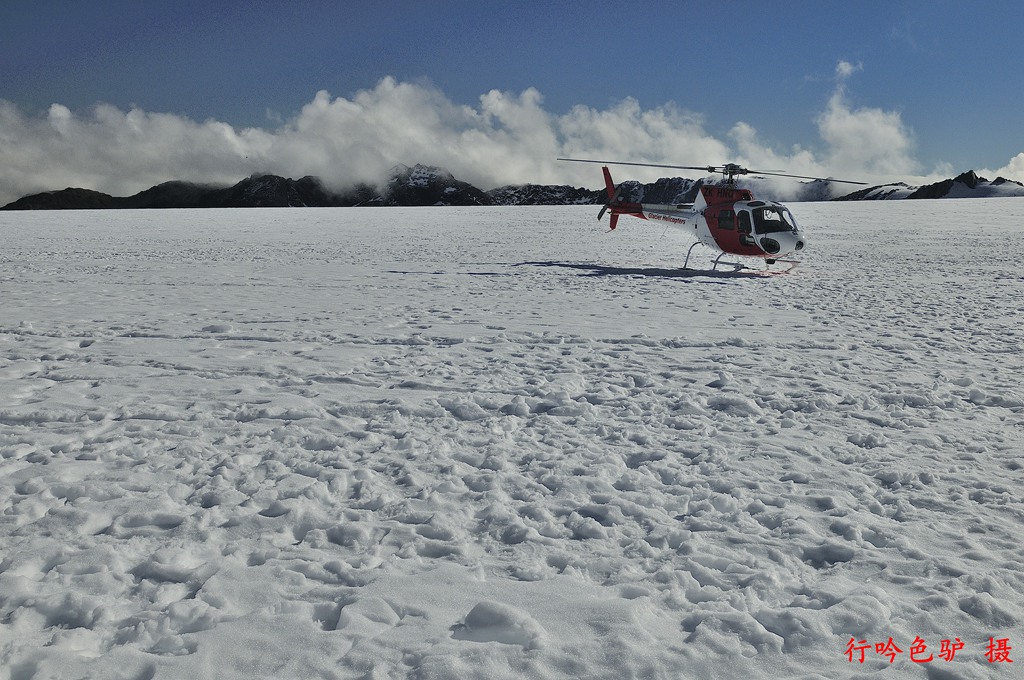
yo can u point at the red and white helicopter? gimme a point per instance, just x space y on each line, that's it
724 218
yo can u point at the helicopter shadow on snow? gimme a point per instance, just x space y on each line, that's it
593 269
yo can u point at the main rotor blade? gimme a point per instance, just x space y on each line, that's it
710 168
822 179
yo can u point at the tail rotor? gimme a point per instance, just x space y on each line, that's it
614 194
612 199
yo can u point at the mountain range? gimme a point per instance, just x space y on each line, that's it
423 185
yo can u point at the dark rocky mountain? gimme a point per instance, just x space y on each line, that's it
969 179
418 185
965 185
169 195
542 194
423 185
270 191
257 191
667 190
970 184
65 199
815 190
897 190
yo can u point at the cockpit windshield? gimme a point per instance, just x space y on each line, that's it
771 219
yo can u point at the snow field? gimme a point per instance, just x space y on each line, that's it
496 442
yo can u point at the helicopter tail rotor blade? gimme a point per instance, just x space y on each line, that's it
610 202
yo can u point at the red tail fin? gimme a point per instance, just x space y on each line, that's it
609 185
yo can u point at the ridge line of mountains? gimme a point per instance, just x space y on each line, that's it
423 185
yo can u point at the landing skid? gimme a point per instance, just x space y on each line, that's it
735 265
687 260
738 266
792 264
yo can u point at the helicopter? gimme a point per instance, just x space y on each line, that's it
726 218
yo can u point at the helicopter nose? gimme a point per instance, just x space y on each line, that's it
782 243
771 245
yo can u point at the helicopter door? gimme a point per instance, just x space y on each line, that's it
745 226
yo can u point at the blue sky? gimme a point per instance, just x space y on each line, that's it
801 79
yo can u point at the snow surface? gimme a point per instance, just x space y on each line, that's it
500 443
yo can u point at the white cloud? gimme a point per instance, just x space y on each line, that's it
506 138
116 152
864 140
1013 170
867 140
845 69
665 134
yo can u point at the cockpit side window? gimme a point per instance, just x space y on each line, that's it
726 219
